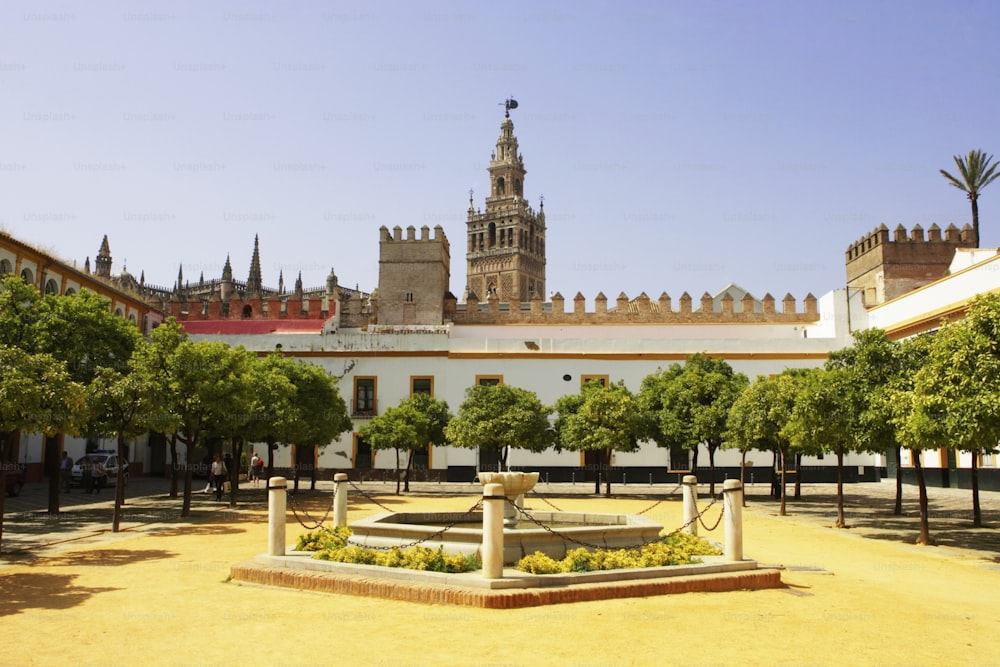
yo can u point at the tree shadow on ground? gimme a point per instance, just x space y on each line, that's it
22 591
104 557
872 516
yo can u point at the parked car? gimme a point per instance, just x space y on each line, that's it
108 459
15 478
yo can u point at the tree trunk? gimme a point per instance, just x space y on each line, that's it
119 485
52 470
775 475
711 468
898 509
607 473
798 476
188 472
173 465
743 474
234 474
925 531
977 513
781 452
5 437
975 218
840 492
399 473
406 477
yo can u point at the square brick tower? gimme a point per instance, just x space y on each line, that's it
413 276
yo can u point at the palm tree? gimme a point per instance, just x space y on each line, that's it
977 173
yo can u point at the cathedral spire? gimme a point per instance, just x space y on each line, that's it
254 281
103 261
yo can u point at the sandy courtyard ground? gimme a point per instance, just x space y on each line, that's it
159 595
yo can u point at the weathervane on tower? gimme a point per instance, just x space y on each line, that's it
508 104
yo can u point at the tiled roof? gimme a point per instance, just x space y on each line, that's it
240 327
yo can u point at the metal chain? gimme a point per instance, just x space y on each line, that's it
316 524
718 520
662 500
367 497
430 537
536 494
567 538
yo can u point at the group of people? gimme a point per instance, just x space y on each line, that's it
93 476
219 473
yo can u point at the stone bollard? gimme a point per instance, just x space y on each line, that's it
492 550
276 509
340 499
732 509
689 485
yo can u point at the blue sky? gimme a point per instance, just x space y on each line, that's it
680 146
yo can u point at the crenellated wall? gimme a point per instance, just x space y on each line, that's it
885 265
641 310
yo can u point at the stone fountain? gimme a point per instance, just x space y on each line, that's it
610 531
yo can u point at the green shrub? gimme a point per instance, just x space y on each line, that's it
677 549
331 544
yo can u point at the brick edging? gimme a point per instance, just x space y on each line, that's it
325 582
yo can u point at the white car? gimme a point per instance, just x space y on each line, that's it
108 459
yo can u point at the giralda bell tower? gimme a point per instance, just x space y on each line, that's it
506 245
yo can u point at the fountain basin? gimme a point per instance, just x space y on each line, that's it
607 531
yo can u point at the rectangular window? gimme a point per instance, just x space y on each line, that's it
421 385
365 402
488 380
600 379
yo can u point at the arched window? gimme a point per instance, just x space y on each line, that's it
501 187
70 291
51 286
119 312
131 318
27 276
492 234
247 312
5 267
517 187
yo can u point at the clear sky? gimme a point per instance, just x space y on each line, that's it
679 146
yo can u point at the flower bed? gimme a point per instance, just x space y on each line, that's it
676 549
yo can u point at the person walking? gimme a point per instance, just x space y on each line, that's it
255 466
218 476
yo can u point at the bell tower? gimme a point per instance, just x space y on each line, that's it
506 243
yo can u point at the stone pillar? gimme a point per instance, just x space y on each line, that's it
276 516
732 509
689 486
492 550
340 499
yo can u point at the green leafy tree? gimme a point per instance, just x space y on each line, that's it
37 395
959 385
760 414
917 426
272 408
125 405
501 417
600 418
824 419
975 173
873 362
79 330
154 359
690 405
320 411
207 383
417 422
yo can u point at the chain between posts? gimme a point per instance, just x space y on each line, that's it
316 524
367 497
432 536
536 494
662 500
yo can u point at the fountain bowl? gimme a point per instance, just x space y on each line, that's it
514 483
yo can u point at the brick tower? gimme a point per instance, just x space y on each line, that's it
506 244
